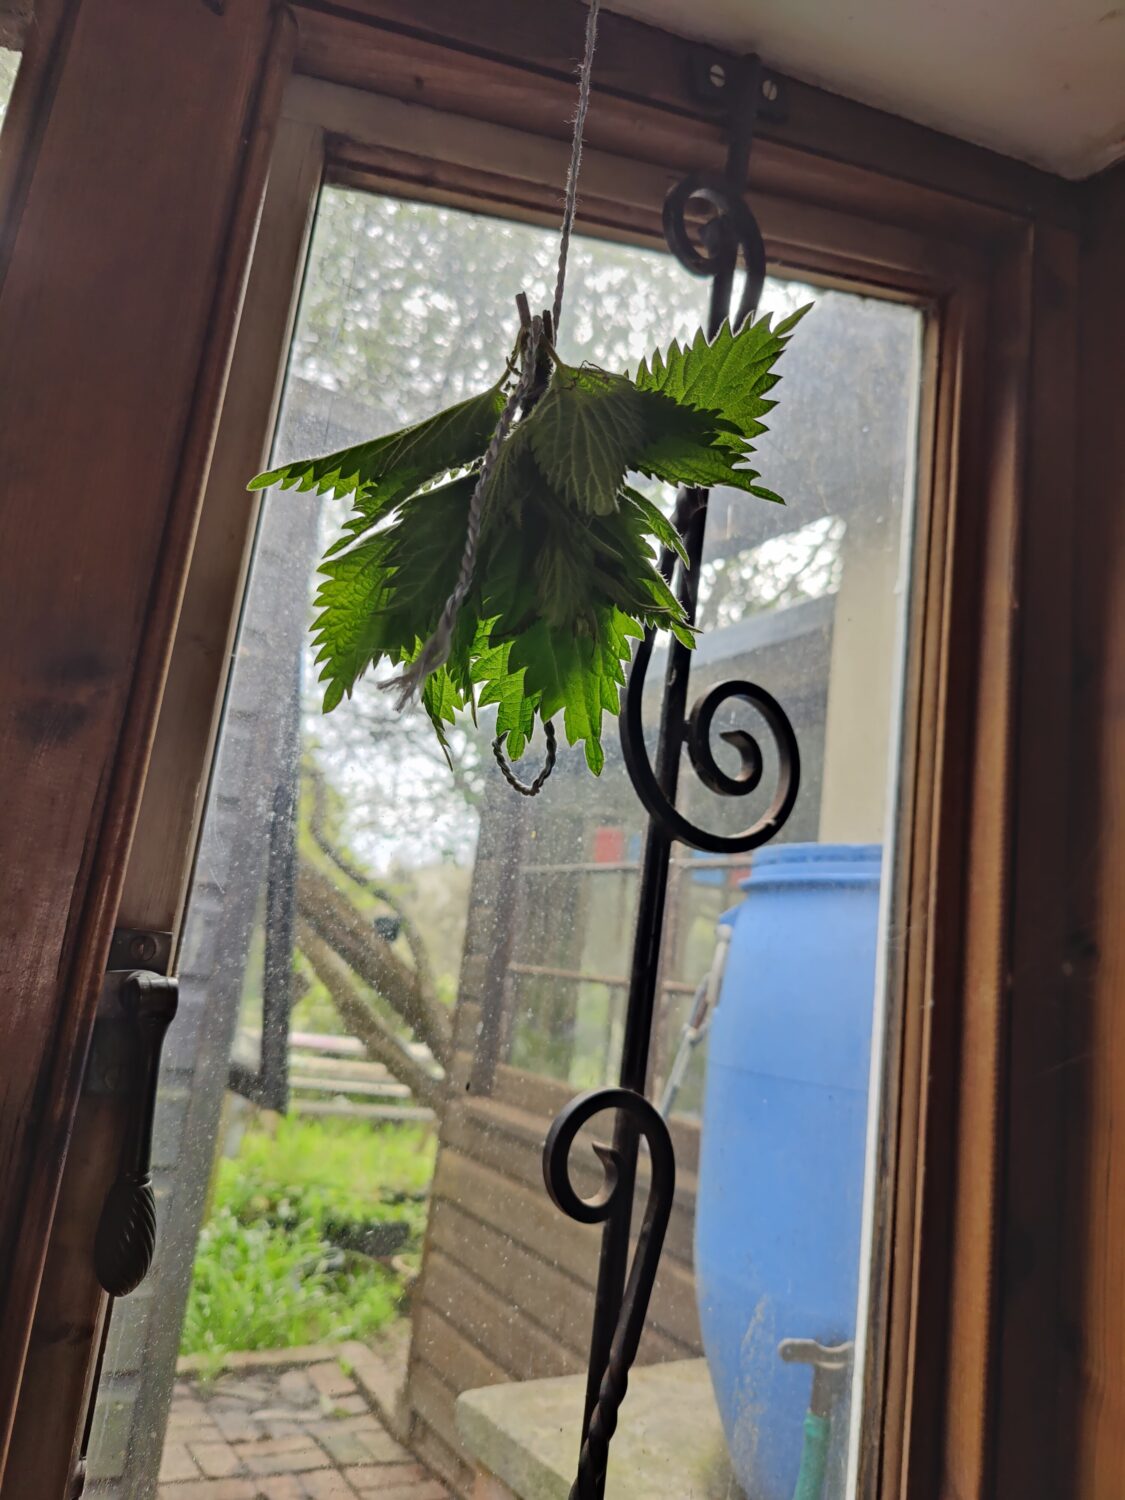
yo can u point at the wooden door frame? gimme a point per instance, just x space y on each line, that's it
1092 1069
841 189
50 1418
122 354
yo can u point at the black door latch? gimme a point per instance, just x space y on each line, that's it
126 1235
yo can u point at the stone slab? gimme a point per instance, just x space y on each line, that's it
669 1442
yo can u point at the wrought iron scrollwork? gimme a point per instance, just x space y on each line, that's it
707 244
729 229
697 738
647 1122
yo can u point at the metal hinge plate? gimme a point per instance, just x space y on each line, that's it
109 1067
131 948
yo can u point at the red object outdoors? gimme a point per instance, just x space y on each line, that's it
609 846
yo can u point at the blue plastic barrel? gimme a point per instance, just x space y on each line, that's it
781 1169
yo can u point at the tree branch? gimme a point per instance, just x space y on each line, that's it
379 1041
334 919
319 830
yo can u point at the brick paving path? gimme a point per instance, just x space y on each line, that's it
275 1434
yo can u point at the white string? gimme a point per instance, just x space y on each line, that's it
571 205
436 650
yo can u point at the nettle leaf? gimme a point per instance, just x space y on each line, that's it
567 570
384 595
698 467
585 433
450 440
516 478
516 709
729 374
442 702
561 668
656 522
354 589
383 473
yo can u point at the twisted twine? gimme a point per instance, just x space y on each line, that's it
571 203
532 788
436 650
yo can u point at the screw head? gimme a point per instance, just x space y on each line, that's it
718 75
770 90
143 948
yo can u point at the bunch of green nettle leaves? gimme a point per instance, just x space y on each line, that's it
566 567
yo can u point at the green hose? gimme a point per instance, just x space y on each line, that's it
814 1459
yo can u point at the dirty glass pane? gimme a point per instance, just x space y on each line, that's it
456 959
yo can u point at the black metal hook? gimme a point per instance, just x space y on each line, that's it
731 228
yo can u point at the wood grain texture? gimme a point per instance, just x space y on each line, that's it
527 1216
156 880
508 1281
117 307
65 1336
1028 1457
512 1145
434 1435
1092 1278
523 1348
428 74
509 158
971 840
69 1299
522 1278
637 63
948 353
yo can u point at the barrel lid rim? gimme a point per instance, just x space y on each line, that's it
793 864
810 853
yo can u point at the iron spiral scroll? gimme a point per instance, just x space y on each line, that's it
707 245
602 1422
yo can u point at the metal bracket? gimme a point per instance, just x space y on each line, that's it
831 1366
718 80
132 948
109 1065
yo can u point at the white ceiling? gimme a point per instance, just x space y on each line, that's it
1041 80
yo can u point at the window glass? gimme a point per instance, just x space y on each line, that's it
460 956
9 66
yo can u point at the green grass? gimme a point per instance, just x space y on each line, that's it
266 1275
333 1168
